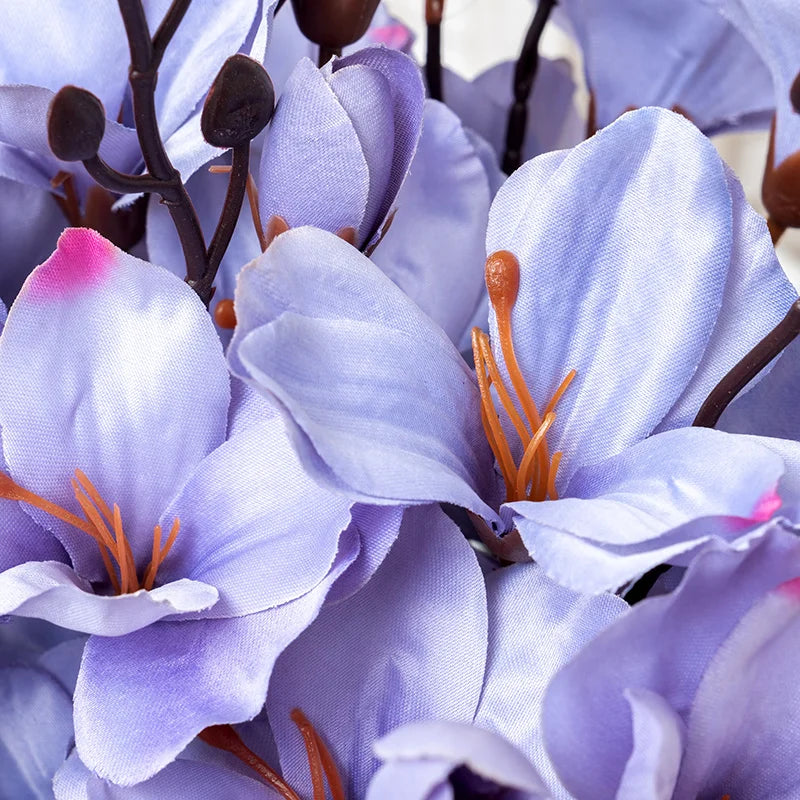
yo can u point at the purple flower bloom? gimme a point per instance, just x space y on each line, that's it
680 55
123 422
649 296
691 694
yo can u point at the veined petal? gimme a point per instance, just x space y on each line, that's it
679 54
535 628
434 249
52 591
380 401
771 27
36 733
652 250
664 645
313 170
171 680
612 523
408 646
129 386
254 524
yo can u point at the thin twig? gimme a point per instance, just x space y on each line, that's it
434 9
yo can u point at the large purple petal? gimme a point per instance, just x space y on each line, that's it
408 646
535 628
129 385
742 725
772 28
173 679
664 645
630 200
313 170
52 591
483 103
253 524
380 401
680 53
408 97
36 732
609 526
434 249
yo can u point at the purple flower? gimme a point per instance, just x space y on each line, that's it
340 144
691 694
433 249
680 55
410 670
173 525
643 276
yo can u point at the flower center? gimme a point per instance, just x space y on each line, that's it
320 761
104 525
534 478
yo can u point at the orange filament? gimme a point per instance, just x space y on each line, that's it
224 737
99 521
534 478
319 759
252 199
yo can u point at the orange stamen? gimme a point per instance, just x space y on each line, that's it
502 392
551 478
525 474
114 546
491 425
224 737
150 574
536 469
331 772
252 199
312 751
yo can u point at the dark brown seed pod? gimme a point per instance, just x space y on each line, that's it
780 188
76 122
239 104
794 93
334 23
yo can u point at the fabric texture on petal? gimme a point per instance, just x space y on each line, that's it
380 401
649 291
407 646
130 387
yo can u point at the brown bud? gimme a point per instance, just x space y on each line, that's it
76 122
780 189
334 23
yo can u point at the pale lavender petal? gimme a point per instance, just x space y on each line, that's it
52 45
608 526
772 28
408 97
36 732
408 646
129 385
52 591
673 251
253 524
483 104
380 401
535 628
434 249
413 780
184 779
485 754
680 53
172 679
313 170
663 644
658 739
742 725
